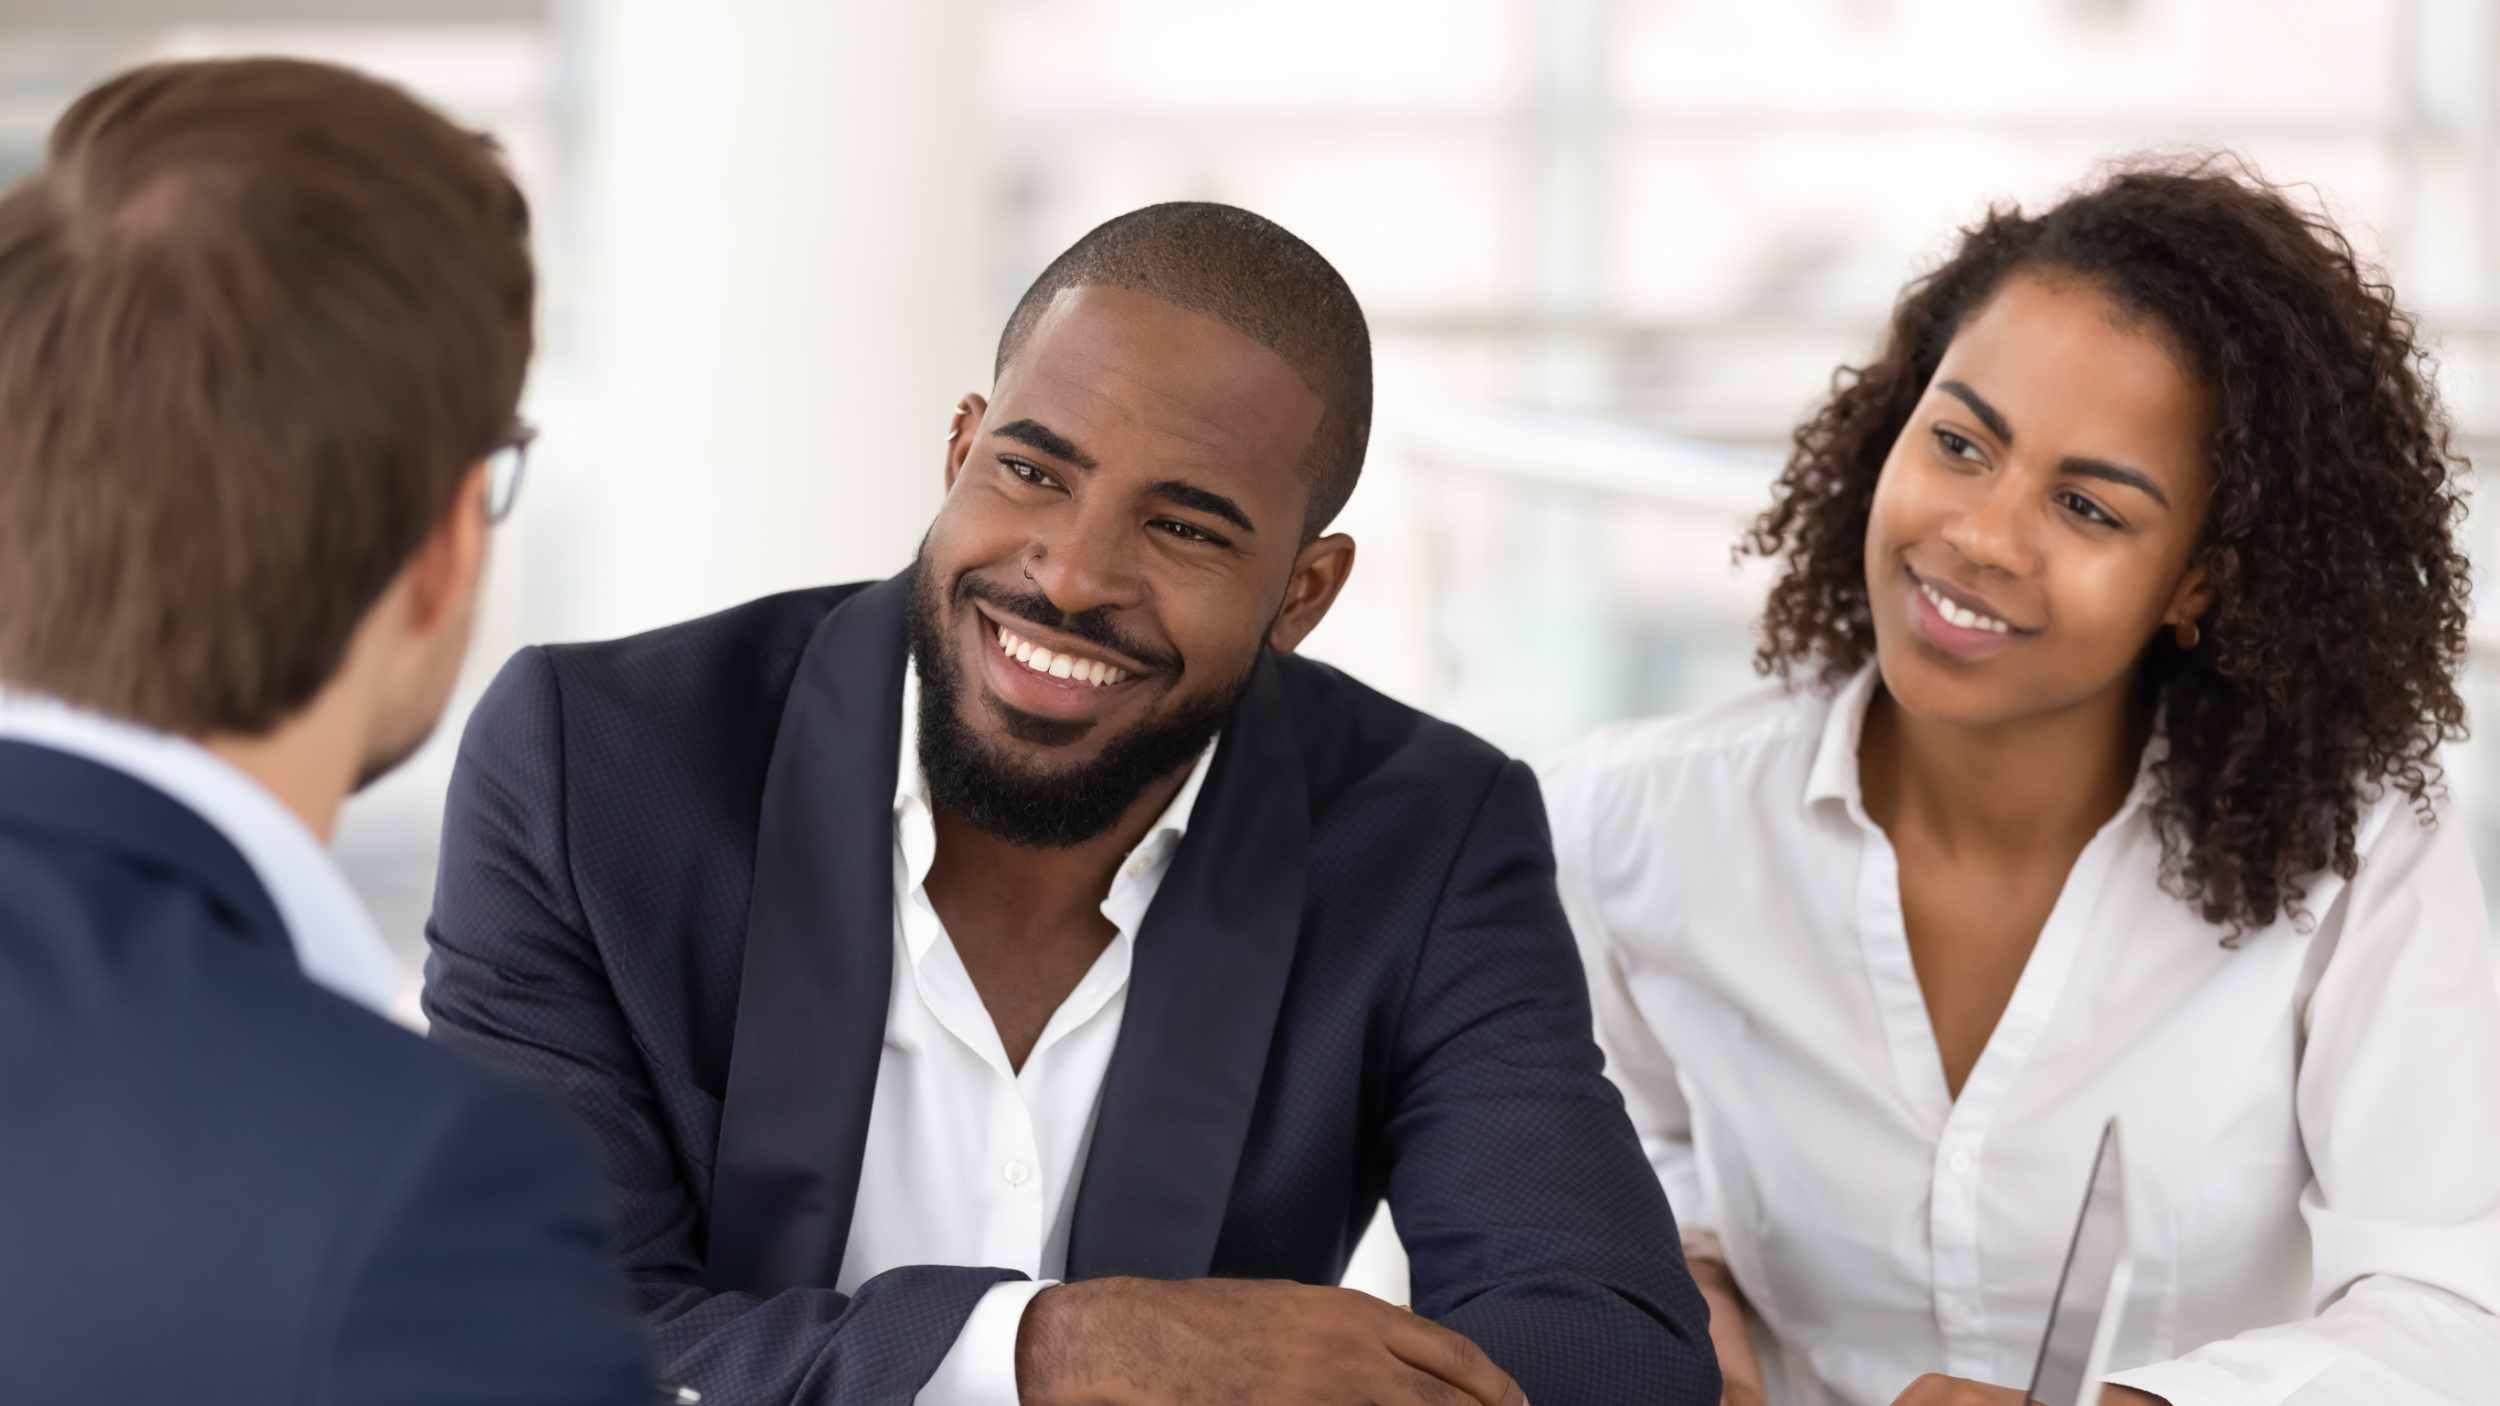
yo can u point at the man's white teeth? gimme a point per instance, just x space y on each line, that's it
1956 615
1058 666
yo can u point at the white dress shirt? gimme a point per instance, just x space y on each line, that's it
334 937
969 1160
2311 1122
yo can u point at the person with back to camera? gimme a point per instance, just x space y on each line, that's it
264 325
2117 634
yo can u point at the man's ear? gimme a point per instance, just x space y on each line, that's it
961 429
444 573
1320 570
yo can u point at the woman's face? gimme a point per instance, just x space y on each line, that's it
2033 525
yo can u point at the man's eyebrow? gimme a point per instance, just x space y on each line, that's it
1979 406
1047 440
2116 473
1171 490
1190 495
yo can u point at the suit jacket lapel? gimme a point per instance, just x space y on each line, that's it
1204 990
819 960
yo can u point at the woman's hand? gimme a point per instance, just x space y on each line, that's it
1740 1372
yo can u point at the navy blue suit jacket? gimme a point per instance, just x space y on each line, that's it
222 1183
667 894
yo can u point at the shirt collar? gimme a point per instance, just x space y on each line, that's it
911 784
915 820
334 938
1834 775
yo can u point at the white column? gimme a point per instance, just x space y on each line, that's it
777 210
764 282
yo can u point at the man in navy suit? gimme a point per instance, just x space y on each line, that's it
1022 979
263 326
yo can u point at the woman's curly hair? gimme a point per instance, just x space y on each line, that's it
2330 654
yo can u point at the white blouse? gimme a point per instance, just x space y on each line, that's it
2312 1121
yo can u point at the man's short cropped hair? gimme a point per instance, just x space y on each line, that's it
1254 275
259 319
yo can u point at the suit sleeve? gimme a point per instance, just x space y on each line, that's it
1532 1220
515 981
482 1275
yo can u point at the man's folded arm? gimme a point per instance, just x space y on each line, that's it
514 981
1532 1221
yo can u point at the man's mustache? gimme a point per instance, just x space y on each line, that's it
1092 626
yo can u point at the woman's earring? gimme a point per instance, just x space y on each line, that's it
2187 635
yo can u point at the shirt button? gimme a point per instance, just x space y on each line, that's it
1960 1162
1016 1173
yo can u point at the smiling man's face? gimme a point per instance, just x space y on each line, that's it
1121 535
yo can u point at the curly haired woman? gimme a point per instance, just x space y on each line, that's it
2116 637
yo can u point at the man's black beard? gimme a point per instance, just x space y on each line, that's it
1041 809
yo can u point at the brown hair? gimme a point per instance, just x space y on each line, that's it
2328 669
259 319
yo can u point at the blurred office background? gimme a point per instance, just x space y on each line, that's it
1611 250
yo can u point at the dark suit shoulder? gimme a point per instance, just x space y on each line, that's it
445 1216
733 654
366 1085
117 952
1356 739
210 1117
684 716
414 1188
